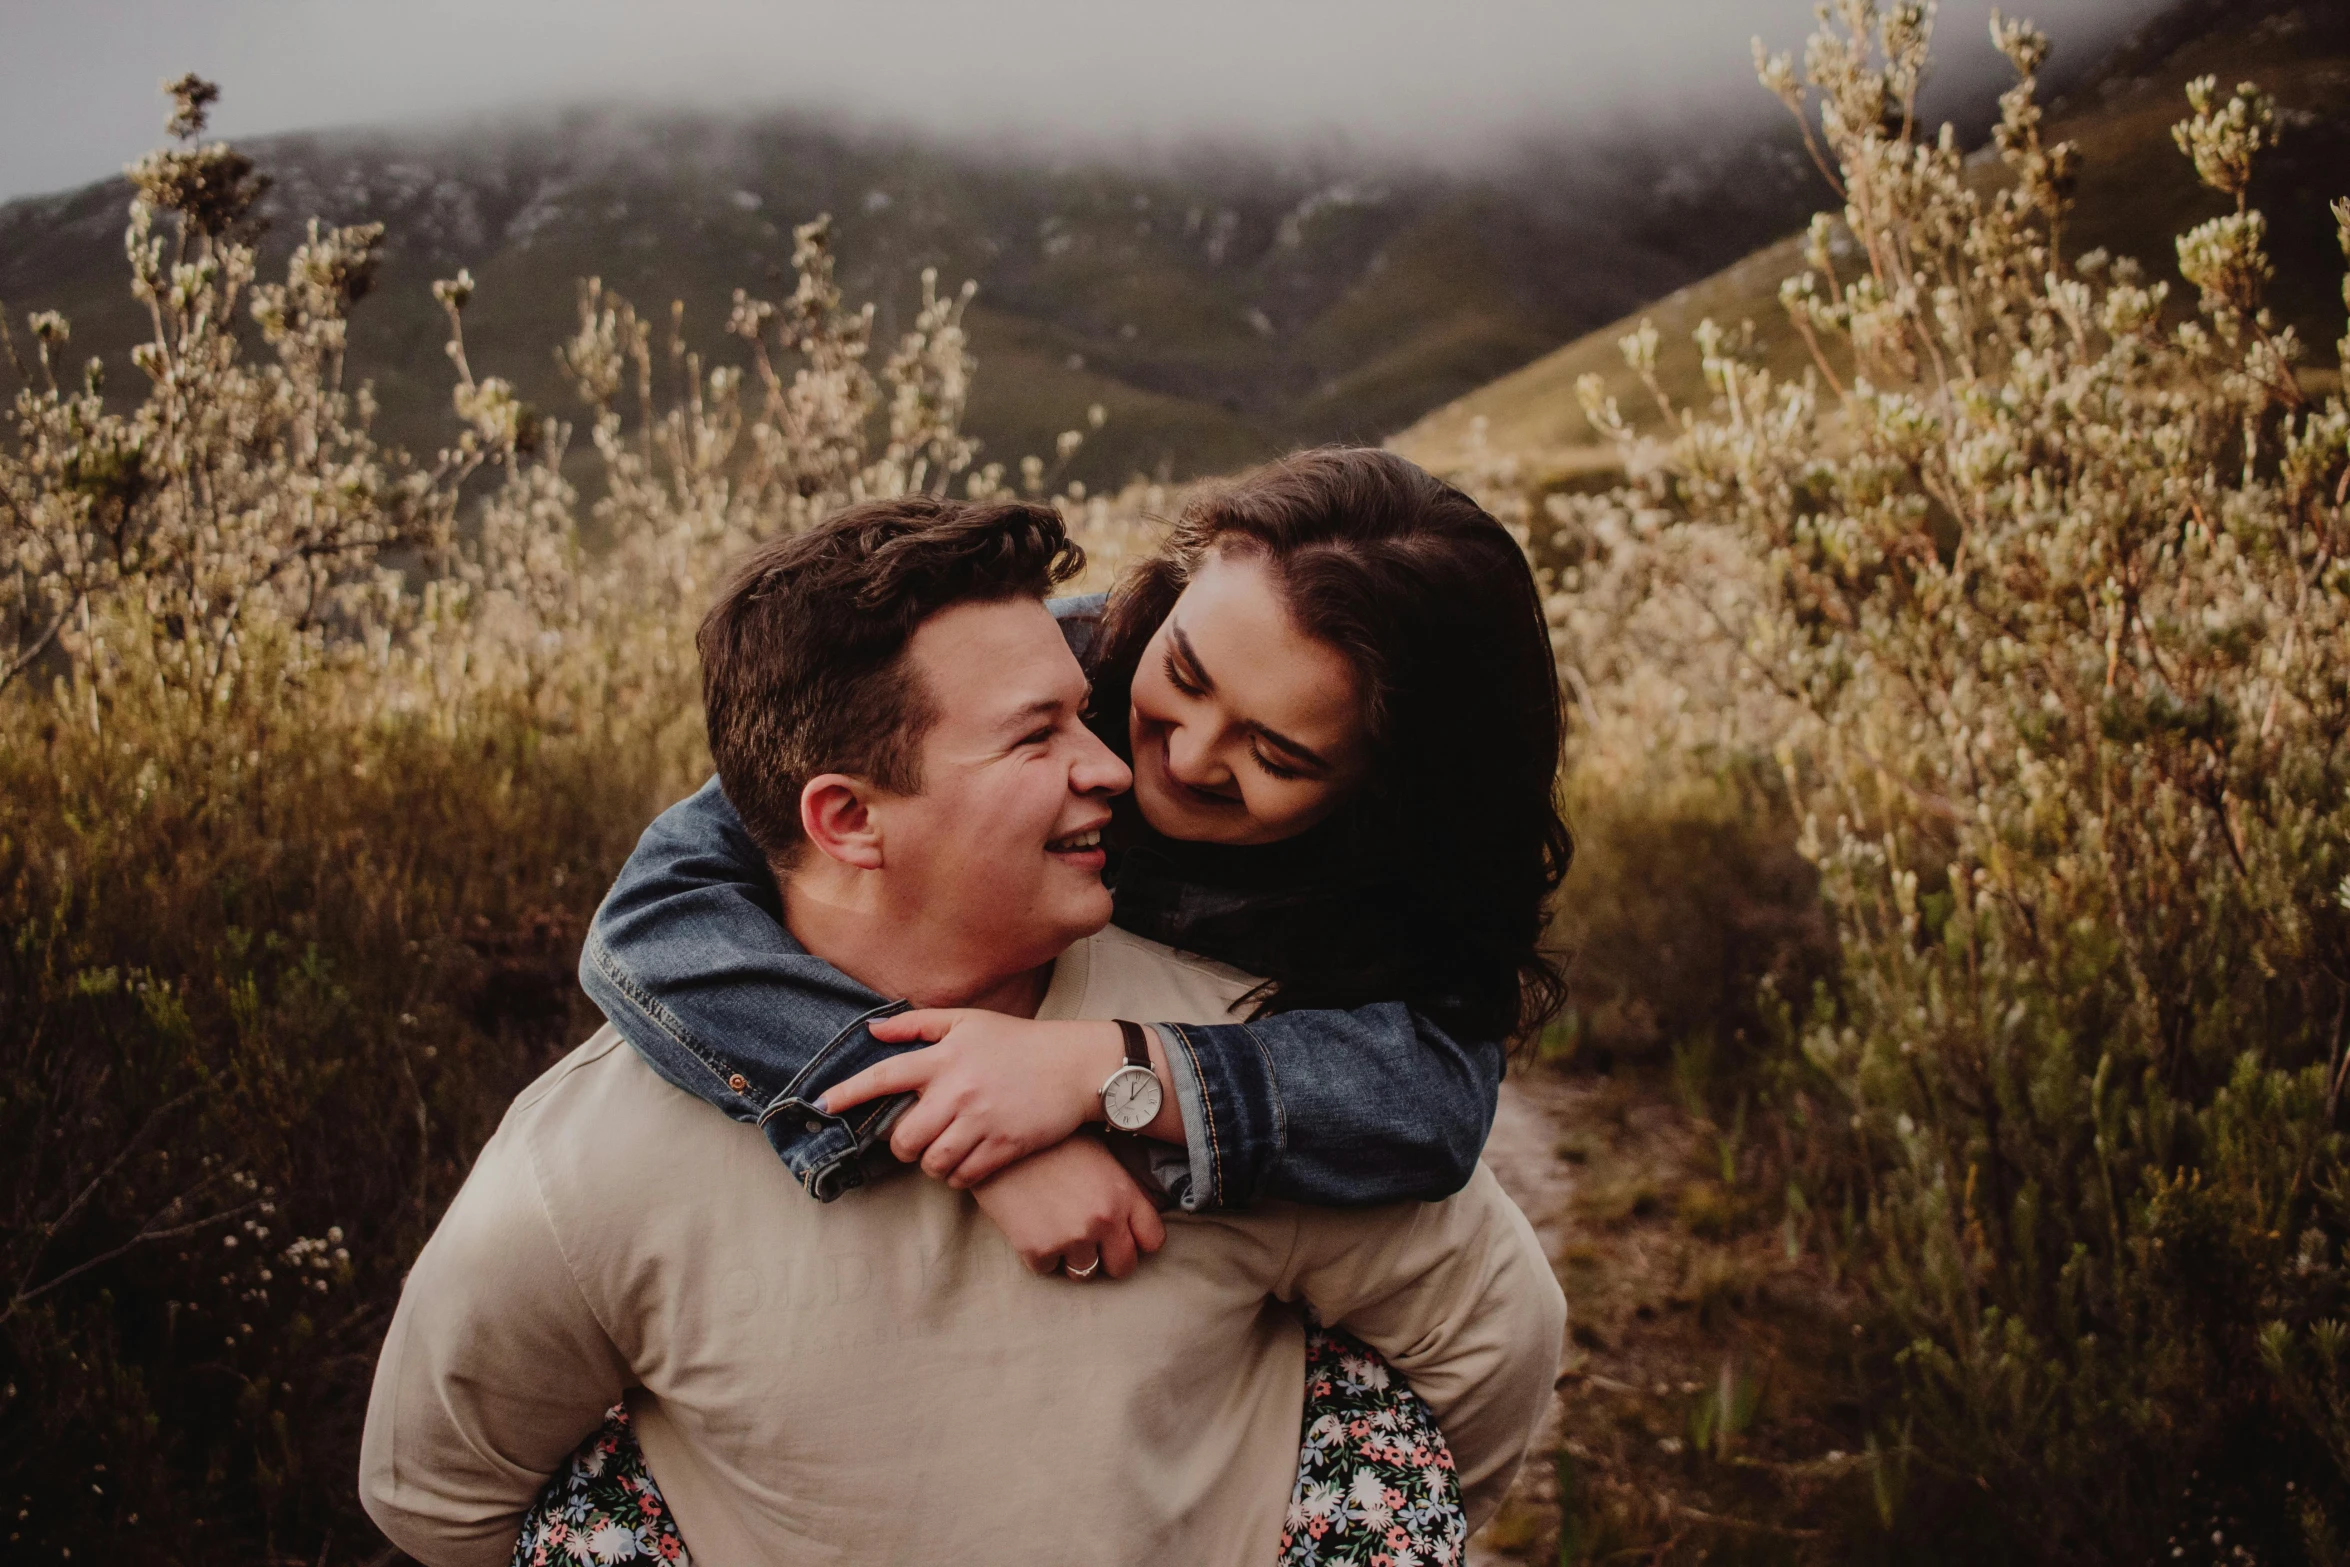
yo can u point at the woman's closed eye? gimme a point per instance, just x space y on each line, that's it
1271 766
1176 678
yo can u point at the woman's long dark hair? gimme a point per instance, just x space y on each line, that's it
1431 883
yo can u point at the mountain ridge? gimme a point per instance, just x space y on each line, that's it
1220 305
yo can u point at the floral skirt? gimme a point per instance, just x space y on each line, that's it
1375 1482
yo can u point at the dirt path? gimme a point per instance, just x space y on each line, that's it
1691 1407
1535 1111
1533 1114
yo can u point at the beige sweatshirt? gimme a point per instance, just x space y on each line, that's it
880 1380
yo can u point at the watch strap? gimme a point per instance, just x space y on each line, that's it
1138 1047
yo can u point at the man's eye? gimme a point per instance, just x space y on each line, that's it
1040 737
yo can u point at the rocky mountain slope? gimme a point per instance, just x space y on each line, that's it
1220 306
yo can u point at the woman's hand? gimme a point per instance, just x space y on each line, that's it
994 1088
1072 1205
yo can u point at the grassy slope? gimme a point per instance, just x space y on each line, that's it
2137 194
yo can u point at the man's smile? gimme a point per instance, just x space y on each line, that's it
1083 847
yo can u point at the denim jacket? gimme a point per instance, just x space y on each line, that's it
690 959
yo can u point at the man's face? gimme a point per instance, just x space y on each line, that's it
1003 844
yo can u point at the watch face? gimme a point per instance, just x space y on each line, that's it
1130 1099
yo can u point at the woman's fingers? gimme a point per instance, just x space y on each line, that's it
897 1075
924 1023
1150 1231
991 1154
947 1150
919 1127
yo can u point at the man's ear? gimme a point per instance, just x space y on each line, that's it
837 815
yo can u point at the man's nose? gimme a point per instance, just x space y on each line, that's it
1097 769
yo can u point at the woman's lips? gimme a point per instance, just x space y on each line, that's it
1220 802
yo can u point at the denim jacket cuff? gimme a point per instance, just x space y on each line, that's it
830 1154
1186 1175
1240 1133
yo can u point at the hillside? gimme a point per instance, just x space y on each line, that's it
2136 194
1220 307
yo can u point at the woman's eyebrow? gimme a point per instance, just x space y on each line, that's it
1199 671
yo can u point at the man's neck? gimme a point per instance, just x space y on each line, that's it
1018 996
894 952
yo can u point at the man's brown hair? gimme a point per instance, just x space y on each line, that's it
803 654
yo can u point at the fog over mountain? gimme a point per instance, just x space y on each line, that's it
1425 82
1219 304
1235 230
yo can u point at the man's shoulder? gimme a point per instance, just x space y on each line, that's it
1132 976
600 1068
576 1072
602 1111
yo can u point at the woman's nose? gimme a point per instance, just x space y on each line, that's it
1191 757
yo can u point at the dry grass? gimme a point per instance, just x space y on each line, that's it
314 760
2019 617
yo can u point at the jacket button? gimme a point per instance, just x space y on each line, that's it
738 1082
815 1125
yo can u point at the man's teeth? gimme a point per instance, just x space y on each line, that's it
1076 841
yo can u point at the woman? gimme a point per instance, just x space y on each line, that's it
1334 685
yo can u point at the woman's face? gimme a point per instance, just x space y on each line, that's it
1245 730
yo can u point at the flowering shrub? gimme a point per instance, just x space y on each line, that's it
2042 572
314 759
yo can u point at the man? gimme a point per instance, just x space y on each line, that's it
881 1380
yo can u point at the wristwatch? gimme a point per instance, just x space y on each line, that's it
1131 1097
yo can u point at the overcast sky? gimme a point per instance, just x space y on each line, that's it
1443 78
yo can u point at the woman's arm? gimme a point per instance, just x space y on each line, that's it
690 960
1336 1109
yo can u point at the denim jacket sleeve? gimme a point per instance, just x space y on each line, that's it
1336 1109
690 959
